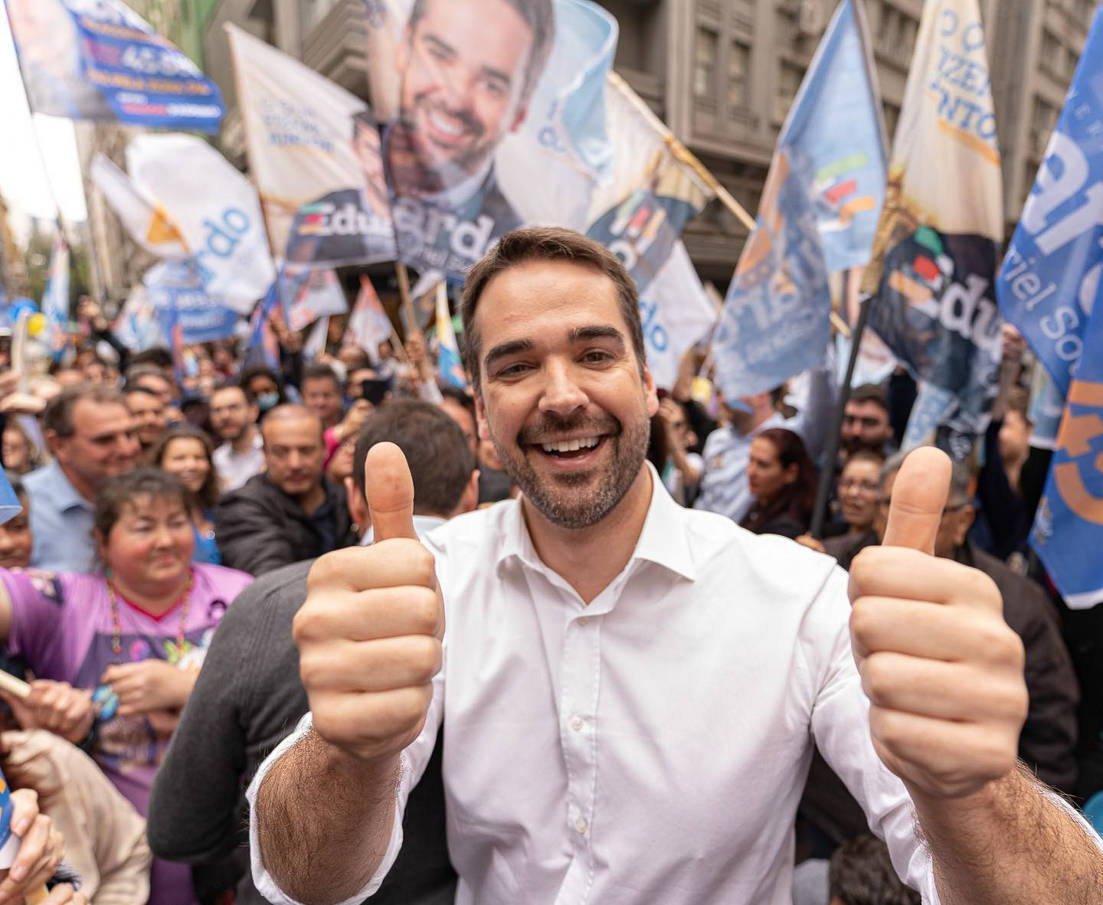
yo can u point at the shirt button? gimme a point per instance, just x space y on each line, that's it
577 723
584 621
581 825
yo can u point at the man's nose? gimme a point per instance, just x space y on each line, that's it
561 394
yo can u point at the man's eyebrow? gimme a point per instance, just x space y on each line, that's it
596 331
440 43
498 74
507 348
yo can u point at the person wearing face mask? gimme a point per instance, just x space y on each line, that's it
263 387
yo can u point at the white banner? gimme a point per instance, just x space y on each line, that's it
143 219
676 312
314 156
215 209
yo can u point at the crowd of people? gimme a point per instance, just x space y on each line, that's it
150 584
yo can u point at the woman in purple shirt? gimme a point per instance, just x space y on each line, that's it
117 653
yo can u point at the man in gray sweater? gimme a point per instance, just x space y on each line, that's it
248 695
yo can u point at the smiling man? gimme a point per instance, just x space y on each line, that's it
468 69
630 689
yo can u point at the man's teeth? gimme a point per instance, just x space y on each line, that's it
570 445
445 125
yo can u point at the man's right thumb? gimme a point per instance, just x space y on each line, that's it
389 489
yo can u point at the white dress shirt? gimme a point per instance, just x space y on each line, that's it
235 468
650 747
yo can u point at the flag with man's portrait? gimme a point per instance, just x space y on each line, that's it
493 117
314 155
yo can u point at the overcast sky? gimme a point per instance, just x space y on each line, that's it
22 179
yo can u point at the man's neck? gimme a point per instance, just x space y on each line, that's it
81 486
313 498
244 441
590 558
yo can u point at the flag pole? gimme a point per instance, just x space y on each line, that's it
404 293
831 453
682 153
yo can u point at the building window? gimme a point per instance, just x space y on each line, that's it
1042 124
788 83
739 67
704 62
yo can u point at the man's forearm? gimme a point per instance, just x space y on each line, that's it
1010 845
324 820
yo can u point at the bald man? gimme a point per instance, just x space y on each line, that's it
290 512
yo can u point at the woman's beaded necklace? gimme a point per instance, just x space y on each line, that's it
116 627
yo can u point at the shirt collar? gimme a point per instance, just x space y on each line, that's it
457 195
664 539
423 524
65 495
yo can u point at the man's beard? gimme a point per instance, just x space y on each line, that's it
551 496
234 433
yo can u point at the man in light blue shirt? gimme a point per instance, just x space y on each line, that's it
92 436
724 486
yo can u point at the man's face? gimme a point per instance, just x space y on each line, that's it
294 452
562 397
957 518
461 414
231 413
865 426
149 417
365 145
463 69
104 442
323 397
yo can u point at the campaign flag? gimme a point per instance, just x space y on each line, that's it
818 214
101 60
314 155
449 365
675 312
215 209
935 255
145 221
1054 265
315 294
657 187
136 327
469 158
315 343
55 297
263 346
175 286
368 324
1069 522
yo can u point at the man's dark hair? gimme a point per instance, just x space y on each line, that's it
138 388
862 874
158 356
545 243
320 372
58 414
539 15
870 392
435 448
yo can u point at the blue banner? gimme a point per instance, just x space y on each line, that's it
98 59
176 291
818 213
1069 524
1053 267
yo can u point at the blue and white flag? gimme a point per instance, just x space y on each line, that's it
178 297
1052 273
1069 523
55 298
101 60
263 348
491 121
818 214
449 364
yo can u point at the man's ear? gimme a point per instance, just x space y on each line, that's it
519 117
470 498
481 423
54 442
650 392
358 506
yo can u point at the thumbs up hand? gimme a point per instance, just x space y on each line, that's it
942 670
369 634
